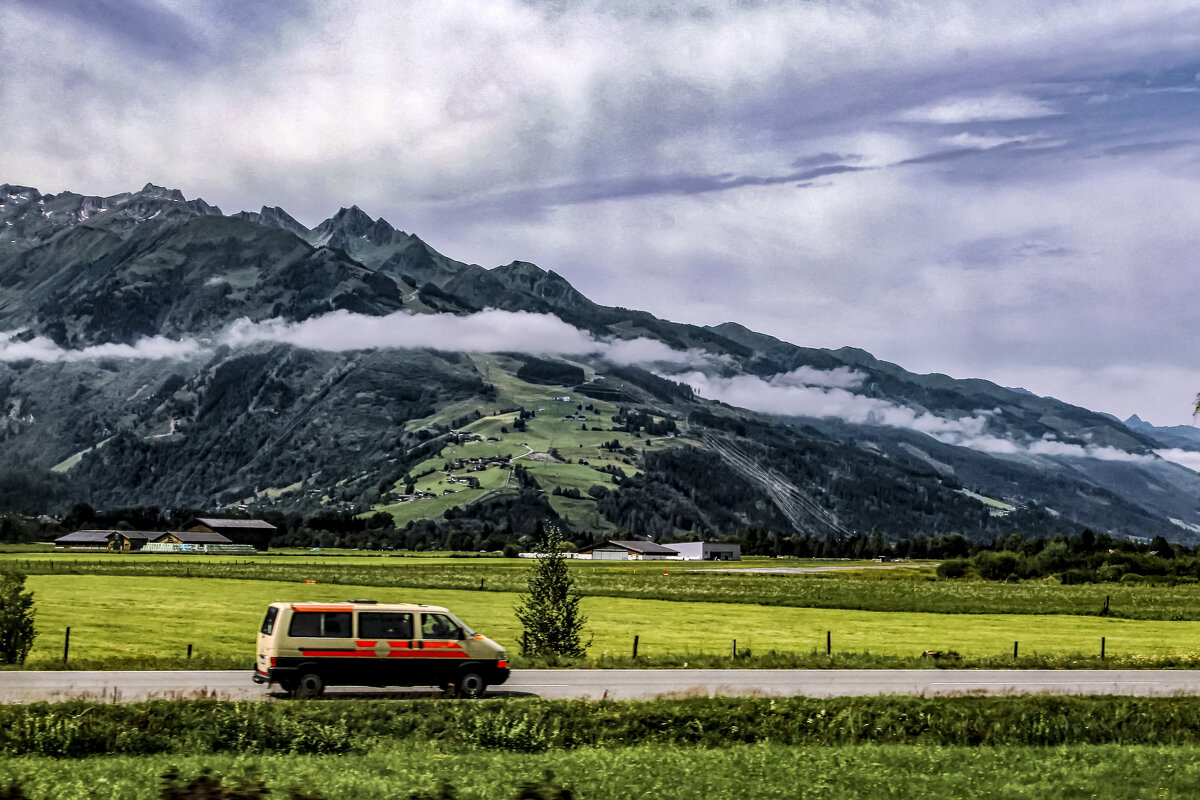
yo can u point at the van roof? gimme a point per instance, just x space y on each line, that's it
352 606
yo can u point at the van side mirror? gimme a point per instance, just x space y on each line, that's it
462 634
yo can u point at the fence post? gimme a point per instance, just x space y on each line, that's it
1015 650
828 643
189 651
481 584
635 644
733 649
67 644
1101 648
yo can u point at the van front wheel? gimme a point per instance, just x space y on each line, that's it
308 687
470 684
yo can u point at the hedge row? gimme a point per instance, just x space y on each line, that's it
77 729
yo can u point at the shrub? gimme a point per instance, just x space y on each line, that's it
16 618
995 566
952 568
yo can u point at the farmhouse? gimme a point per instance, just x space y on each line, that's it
627 551
254 532
83 540
105 540
131 540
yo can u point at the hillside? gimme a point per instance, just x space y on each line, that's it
159 352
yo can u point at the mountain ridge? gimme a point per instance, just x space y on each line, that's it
228 424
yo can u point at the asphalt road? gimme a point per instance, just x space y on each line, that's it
25 687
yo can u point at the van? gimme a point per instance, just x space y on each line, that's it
305 647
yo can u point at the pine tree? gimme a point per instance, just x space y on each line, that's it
550 612
16 618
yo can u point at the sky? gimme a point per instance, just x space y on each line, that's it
1007 190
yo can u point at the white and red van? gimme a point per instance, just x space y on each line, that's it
305 647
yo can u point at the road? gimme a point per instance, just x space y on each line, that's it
619 684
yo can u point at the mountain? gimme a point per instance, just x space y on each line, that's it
1184 437
127 378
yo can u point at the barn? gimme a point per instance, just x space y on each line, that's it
83 540
627 551
254 532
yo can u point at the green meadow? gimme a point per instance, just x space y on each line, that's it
863 589
116 619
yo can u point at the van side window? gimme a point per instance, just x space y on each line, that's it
374 625
320 624
438 626
268 626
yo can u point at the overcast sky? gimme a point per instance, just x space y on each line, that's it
1008 190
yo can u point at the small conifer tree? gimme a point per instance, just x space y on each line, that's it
16 618
549 614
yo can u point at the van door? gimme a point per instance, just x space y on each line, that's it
441 648
390 635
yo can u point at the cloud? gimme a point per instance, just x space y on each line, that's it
13 347
988 108
819 394
983 141
488 331
1186 458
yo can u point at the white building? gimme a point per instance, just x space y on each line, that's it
707 551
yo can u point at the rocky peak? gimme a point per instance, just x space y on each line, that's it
161 192
274 217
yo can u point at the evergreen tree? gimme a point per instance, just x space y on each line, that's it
16 618
550 613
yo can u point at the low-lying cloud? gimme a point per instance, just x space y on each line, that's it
488 331
13 347
1184 458
808 392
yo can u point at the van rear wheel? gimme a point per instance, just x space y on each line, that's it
309 686
470 684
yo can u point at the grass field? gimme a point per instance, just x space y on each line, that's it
755 772
119 619
574 440
899 590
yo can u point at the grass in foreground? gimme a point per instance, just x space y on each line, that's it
756 772
1019 747
119 622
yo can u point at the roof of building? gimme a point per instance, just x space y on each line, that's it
84 537
198 537
144 535
645 548
218 522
